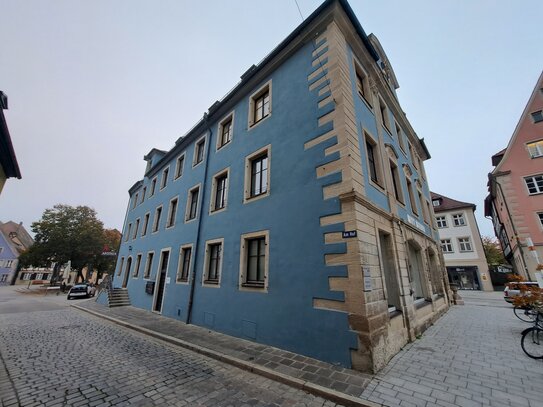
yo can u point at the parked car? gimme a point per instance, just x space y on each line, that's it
81 291
513 289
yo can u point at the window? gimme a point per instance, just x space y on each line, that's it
373 157
254 260
121 267
458 219
260 105
441 221
396 183
179 164
362 85
535 149
137 266
225 131
128 232
3 278
144 192
156 224
153 187
220 191
135 200
148 265
436 202
183 267
192 204
423 207
199 152
446 246
534 184
213 264
172 211
145 224
384 115
537 116
164 178
540 216
135 235
400 136
9 263
257 174
416 272
411 197
464 244
414 157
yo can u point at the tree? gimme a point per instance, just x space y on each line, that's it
493 251
66 233
105 261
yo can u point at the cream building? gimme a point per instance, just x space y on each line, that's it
461 243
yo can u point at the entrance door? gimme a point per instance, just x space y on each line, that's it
161 281
127 272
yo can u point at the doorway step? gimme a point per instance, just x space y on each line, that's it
118 297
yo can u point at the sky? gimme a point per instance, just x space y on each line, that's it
93 86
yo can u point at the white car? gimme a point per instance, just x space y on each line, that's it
81 291
513 289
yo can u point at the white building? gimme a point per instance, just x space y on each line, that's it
461 243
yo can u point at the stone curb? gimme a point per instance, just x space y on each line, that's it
315 389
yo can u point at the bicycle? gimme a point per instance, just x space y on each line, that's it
525 313
532 338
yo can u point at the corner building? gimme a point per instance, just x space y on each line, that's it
296 213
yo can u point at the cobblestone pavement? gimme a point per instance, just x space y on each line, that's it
470 357
68 358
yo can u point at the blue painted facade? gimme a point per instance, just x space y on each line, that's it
299 308
8 261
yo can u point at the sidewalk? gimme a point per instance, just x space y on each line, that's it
343 386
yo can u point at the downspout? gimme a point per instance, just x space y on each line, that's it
197 240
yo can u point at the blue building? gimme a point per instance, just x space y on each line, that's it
297 212
14 239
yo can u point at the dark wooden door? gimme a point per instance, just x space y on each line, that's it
161 281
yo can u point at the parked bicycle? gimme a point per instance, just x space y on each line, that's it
532 338
525 313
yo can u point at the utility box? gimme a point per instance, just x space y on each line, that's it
150 287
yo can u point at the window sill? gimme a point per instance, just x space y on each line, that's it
182 281
224 145
253 285
211 282
256 197
393 313
421 303
255 124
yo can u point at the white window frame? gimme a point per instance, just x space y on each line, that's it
189 202
385 118
399 133
220 174
205 275
362 84
179 169
534 180
243 285
128 232
181 262
441 222
136 229
396 180
156 222
152 190
202 140
448 244
459 220
539 216
143 193
148 270
145 226
164 178
248 174
228 118
252 101
376 153
172 224
464 244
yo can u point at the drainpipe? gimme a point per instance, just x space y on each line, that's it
197 241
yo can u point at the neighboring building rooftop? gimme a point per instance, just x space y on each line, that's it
8 160
447 204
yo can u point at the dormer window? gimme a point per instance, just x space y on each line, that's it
436 202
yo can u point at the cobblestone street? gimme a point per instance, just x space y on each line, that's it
66 357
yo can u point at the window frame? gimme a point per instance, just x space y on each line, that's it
145 225
539 216
243 284
446 242
199 145
188 208
128 232
533 178
362 84
214 189
410 187
247 196
181 264
375 159
153 186
229 118
148 270
179 169
136 229
164 178
385 118
399 134
169 223
444 224
460 218
136 272
121 266
267 87
396 182
156 222
463 241
206 282
537 116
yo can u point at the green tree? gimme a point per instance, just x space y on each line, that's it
493 251
66 233
105 261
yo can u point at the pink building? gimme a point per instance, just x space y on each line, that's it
515 202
